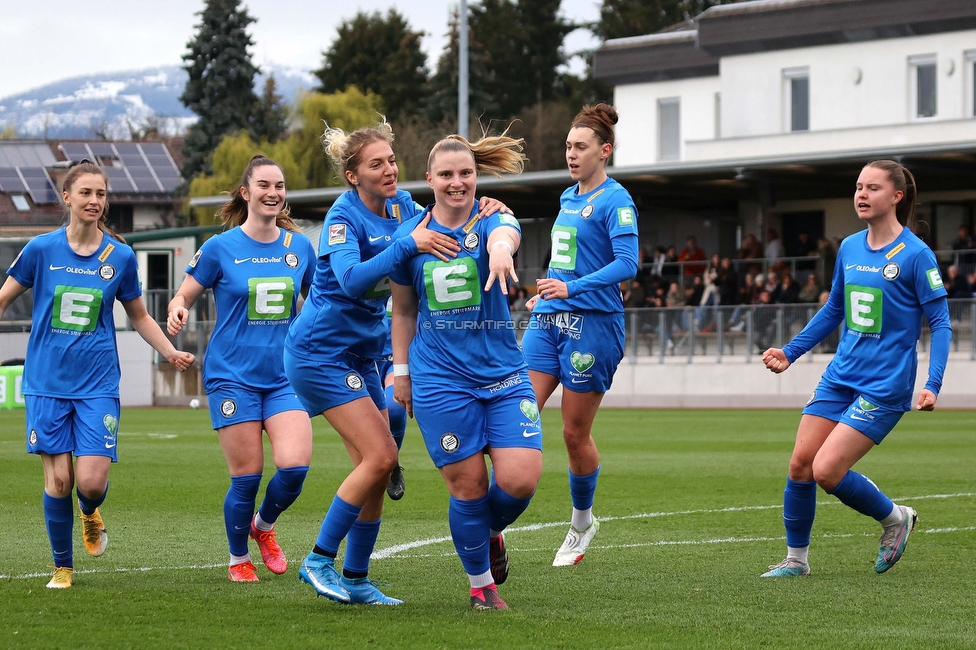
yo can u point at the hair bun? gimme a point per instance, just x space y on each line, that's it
607 110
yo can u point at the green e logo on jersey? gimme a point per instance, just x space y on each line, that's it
563 248
269 298
76 308
381 289
935 280
625 217
452 284
863 308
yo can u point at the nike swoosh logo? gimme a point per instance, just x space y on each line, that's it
109 446
529 434
375 239
854 417
849 267
242 527
56 268
237 261
580 381
474 548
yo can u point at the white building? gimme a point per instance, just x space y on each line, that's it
791 96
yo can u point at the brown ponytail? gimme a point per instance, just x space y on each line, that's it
904 182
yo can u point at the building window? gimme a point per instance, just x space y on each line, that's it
796 86
20 202
669 128
969 56
923 86
718 115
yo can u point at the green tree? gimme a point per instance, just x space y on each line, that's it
515 50
229 160
441 103
270 119
377 54
346 110
220 88
620 18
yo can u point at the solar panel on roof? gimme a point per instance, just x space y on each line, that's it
127 148
101 148
170 184
75 150
10 180
39 185
118 181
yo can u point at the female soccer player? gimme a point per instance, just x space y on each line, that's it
71 373
577 333
256 270
461 371
885 278
332 348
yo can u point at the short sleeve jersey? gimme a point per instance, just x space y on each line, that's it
883 292
72 351
582 244
464 334
331 322
256 287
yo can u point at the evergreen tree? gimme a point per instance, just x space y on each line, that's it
270 118
220 88
377 54
620 18
515 50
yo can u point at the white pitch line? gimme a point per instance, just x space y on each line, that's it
397 550
400 548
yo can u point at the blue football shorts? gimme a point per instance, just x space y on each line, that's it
839 403
582 349
458 422
84 427
233 404
324 384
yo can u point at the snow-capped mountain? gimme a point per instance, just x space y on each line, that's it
117 104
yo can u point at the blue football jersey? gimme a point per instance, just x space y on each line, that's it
465 335
581 244
72 351
332 322
881 293
256 288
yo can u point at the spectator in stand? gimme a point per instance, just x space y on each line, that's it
751 250
710 295
758 285
804 247
964 242
811 290
634 296
772 284
764 320
675 296
520 313
956 284
774 246
728 283
670 272
657 262
692 253
828 257
788 292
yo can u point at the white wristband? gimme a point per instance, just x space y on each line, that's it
511 250
401 369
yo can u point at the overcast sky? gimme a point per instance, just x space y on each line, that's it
46 40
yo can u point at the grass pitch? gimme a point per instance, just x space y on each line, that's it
691 509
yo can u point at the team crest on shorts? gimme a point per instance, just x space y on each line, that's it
471 241
586 212
354 381
291 260
582 361
32 438
890 271
228 408
813 396
106 272
450 442
529 409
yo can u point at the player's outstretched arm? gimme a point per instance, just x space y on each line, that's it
502 244
150 332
